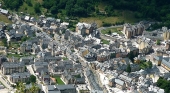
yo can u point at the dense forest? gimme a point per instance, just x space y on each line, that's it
148 9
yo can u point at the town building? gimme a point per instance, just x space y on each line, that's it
12 67
60 89
85 29
166 33
19 77
133 30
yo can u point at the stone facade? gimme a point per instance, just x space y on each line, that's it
19 77
12 67
133 30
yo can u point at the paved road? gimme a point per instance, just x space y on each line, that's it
107 37
5 83
29 67
93 78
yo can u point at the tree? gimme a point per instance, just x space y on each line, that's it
54 10
37 8
24 38
33 88
150 64
4 42
110 32
20 88
28 2
113 55
131 56
32 79
128 69
164 84
13 4
158 42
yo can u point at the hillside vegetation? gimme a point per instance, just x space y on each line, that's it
142 9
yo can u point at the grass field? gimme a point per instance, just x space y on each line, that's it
64 58
144 65
112 30
126 16
30 9
14 55
27 9
59 81
105 41
3 18
1 43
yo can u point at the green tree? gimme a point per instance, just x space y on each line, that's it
13 4
164 84
32 79
150 64
131 56
158 42
54 10
24 38
128 69
29 3
110 32
20 88
113 55
4 41
34 88
37 8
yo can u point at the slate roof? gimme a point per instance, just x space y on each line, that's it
20 75
64 87
159 58
166 62
118 81
13 64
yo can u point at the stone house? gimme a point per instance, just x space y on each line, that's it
12 67
103 55
27 60
19 77
158 60
83 51
37 65
117 83
73 78
133 30
166 63
144 44
60 89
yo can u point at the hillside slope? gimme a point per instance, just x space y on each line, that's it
147 9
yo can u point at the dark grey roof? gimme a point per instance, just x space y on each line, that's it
51 87
42 70
46 76
40 63
55 91
13 64
118 81
166 62
64 87
158 58
20 75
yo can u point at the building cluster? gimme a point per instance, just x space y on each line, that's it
85 29
15 71
53 53
166 33
133 30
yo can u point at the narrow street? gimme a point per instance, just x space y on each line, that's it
4 82
96 85
102 36
30 69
